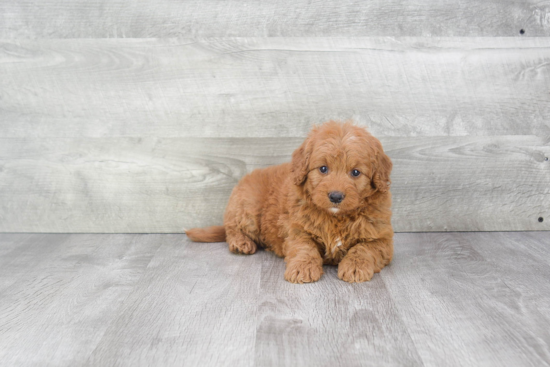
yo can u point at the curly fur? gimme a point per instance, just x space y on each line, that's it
286 208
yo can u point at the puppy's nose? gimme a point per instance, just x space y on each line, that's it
336 196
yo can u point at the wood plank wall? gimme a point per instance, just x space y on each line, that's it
140 116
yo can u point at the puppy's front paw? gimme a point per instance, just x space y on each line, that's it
300 271
355 270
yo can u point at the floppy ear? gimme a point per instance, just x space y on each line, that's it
300 163
382 170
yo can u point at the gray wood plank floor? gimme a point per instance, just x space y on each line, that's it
452 299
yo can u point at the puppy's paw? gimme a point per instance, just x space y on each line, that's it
300 271
245 247
355 270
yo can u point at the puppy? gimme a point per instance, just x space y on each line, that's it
330 205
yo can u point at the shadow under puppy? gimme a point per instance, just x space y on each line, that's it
330 205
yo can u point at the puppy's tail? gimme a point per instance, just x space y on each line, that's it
208 234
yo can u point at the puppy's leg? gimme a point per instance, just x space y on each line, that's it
243 213
304 263
365 259
239 243
241 225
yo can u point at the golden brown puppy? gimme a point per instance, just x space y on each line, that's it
330 205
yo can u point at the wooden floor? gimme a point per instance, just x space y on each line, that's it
448 299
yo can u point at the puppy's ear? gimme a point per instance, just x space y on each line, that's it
300 162
382 171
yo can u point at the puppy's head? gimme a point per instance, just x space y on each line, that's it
339 165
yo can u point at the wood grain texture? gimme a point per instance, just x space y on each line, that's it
60 292
274 87
166 185
465 297
328 323
198 303
138 19
452 299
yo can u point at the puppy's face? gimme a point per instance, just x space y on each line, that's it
339 166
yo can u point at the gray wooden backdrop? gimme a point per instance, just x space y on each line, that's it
140 116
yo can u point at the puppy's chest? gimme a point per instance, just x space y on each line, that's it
334 242
333 246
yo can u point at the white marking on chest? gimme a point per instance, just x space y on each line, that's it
338 244
334 210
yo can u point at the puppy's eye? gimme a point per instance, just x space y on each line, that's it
355 173
323 169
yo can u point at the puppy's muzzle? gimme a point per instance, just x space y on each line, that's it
336 197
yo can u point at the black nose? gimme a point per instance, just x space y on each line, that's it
336 196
